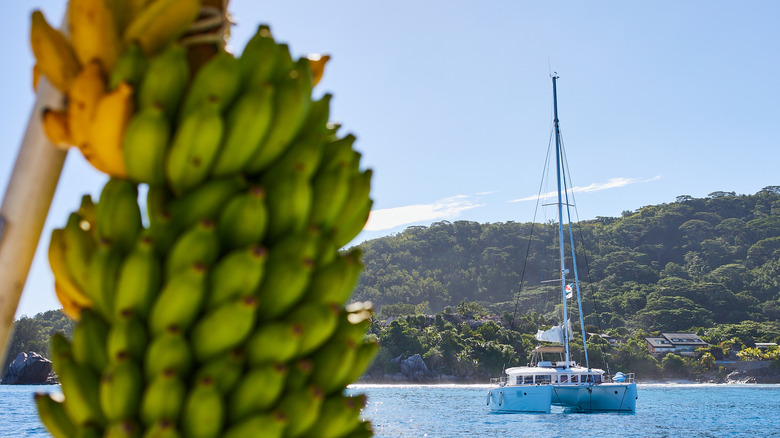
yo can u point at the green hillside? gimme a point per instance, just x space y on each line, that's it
695 262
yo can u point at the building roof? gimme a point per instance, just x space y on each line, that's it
684 339
659 342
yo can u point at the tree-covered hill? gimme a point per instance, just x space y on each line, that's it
692 262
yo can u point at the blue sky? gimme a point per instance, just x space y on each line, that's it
451 102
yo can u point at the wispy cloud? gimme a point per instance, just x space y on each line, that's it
447 208
612 183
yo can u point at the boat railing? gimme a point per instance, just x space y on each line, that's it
500 381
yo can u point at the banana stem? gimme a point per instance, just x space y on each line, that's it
25 206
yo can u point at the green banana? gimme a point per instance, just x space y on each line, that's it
318 323
204 202
364 356
89 431
338 153
258 61
144 146
53 416
362 430
289 203
88 212
317 120
334 282
165 80
218 77
287 274
121 387
246 124
130 67
78 249
246 399
163 398
291 104
300 374
359 188
162 429
340 414
330 192
180 300
346 231
334 360
127 337
89 341
103 277
199 244
237 274
125 428
274 341
195 147
301 407
226 370
140 279
244 219
61 351
118 215
80 386
284 63
169 350
223 328
302 156
272 425
204 410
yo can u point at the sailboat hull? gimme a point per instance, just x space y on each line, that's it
605 397
520 399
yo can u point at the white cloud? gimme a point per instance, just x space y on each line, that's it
447 208
612 183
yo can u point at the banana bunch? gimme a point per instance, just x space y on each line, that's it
94 66
219 308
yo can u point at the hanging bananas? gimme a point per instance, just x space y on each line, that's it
216 307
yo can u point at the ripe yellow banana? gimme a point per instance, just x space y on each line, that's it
93 32
36 76
53 53
161 22
86 90
112 114
317 65
55 126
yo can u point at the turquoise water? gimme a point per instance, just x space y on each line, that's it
673 410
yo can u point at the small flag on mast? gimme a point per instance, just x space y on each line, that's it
570 290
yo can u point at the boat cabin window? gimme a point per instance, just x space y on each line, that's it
597 378
518 380
543 379
563 378
528 380
575 378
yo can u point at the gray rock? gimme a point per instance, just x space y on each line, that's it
28 369
414 368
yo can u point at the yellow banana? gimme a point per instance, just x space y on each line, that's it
317 66
86 90
112 114
36 77
55 126
93 32
69 307
54 56
161 22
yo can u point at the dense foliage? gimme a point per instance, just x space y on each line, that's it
34 333
692 262
709 265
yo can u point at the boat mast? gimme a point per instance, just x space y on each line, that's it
564 271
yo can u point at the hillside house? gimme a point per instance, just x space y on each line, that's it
684 344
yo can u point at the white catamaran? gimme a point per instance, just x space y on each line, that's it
552 378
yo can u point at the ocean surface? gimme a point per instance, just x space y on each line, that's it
663 410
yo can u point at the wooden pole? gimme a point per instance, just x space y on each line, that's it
25 206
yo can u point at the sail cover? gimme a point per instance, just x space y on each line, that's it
554 334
